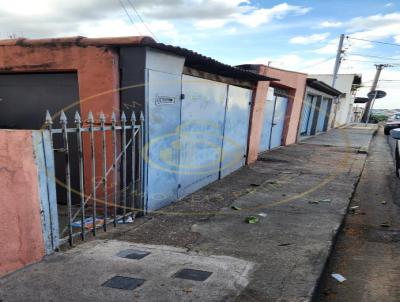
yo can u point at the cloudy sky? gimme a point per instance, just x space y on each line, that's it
294 34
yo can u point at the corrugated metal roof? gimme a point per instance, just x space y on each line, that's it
322 86
201 62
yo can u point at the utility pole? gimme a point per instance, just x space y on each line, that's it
338 60
379 68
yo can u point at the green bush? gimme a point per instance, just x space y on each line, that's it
377 118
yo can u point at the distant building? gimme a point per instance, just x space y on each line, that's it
343 108
317 111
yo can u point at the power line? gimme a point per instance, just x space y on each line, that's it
141 20
372 56
373 41
129 16
316 64
373 62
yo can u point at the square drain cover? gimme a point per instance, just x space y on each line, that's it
193 274
126 283
133 254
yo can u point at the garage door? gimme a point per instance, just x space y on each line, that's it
322 115
236 129
274 120
201 132
24 99
163 131
278 123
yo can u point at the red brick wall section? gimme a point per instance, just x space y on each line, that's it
98 79
21 239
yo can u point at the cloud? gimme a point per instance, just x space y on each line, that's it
246 15
330 24
304 40
44 18
261 16
389 4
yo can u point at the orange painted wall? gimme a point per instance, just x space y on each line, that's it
295 82
98 79
21 239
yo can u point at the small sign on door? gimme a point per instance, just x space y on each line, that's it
165 100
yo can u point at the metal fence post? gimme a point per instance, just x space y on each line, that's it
90 121
102 118
81 176
63 122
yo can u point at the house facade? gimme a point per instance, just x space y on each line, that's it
196 109
348 84
276 109
317 113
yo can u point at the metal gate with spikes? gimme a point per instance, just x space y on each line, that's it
109 165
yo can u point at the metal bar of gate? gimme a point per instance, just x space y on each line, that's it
133 158
93 162
63 122
123 123
81 177
104 178
137 167
114 139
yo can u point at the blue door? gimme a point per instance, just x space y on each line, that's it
278 121
269 109
201 133
322 115
163 139
236 129
306 115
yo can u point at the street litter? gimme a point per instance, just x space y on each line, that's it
384 202
262 214
325 200
385 225
353 209
127 220
252 219
87 223
338 277
236 208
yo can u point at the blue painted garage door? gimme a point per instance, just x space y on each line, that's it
322 115
201 133
306 116
274 122
163 146
236 129
279 121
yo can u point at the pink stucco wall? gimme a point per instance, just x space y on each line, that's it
295 83
21 240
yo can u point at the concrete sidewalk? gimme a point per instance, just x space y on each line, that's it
300 193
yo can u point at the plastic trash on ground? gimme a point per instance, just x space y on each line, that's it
338 277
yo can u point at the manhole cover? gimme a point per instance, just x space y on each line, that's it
133 254
125 283
193 274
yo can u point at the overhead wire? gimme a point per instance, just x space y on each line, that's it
129 16
141 20
373 41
